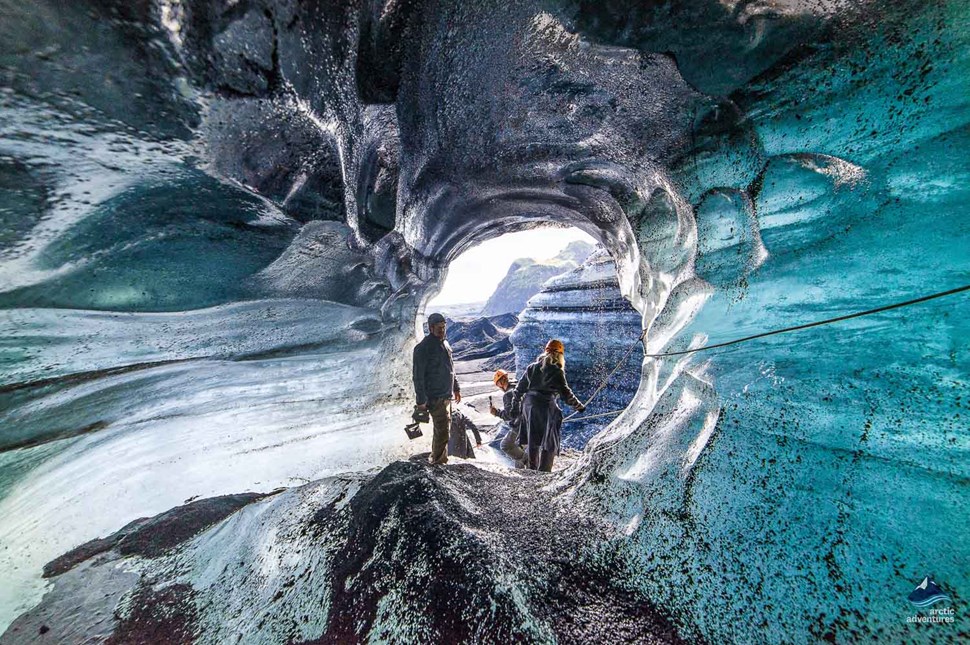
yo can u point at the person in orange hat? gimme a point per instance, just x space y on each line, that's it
510 442
536 395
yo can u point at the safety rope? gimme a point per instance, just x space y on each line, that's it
593 416
827 321
610 375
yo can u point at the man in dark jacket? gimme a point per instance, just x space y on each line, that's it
510 442
435 384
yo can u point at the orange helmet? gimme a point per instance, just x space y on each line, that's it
499 375
555 346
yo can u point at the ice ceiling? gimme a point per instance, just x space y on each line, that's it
220 220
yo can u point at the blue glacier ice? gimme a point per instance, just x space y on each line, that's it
220 225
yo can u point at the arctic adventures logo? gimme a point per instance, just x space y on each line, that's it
925 595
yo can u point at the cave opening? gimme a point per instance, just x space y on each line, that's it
504 297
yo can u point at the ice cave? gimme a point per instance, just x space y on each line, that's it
222 223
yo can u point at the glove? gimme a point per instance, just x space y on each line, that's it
581 408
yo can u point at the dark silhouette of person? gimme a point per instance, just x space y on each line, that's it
458 443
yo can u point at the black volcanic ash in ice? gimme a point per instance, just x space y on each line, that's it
454 554
274 187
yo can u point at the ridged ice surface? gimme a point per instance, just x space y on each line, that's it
219 224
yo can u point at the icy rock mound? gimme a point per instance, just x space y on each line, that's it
481 338
526 276
430 555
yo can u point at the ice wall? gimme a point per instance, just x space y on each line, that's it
220 221
807 482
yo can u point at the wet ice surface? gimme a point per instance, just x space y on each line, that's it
220 427
49 343
66 370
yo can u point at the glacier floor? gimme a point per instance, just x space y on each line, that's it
415 553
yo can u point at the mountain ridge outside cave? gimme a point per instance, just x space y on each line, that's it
483 273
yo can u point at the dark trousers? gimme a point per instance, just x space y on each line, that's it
540 459
440 410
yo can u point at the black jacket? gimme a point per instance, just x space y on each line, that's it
536 396
461 423
547 379
434 371
458 444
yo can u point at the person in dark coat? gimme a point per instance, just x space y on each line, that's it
536 396
510 442
435 384
458 443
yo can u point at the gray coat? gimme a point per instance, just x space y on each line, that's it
434 371
458 443
508 412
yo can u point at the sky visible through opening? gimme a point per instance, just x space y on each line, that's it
473 275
